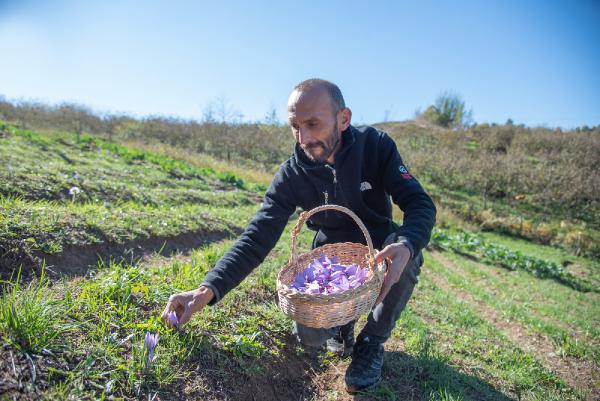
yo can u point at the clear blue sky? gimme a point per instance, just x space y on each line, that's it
537 62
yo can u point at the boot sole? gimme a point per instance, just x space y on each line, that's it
354 390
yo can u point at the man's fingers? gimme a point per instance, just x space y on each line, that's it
386 252
385 288
391 277
168 308
186 315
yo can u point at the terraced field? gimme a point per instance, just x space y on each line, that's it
477 328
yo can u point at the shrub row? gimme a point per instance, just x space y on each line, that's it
473 244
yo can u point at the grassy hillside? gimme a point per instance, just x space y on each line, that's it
62 190
536 183
494 317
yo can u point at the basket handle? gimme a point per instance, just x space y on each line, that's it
306 215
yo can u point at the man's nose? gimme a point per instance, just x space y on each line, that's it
304 136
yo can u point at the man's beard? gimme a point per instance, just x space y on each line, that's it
328 148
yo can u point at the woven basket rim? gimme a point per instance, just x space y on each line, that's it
373 281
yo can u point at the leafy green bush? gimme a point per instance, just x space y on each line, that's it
464 242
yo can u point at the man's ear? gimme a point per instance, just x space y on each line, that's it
344 118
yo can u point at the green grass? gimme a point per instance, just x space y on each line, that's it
518 219
546 310
122 194
582 266
28 319
438 328
459 355
86 334
474 245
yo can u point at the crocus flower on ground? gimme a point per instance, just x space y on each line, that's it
173 318
150 343
328 276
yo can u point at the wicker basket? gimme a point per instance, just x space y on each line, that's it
329 310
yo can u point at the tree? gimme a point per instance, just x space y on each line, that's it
449 111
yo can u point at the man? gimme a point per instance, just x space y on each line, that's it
334 162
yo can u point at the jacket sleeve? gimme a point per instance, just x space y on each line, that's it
409 195
256 241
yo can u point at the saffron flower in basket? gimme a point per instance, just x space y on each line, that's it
328 276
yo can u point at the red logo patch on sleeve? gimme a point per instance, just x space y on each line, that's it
404 173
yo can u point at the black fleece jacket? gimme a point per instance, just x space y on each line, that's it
368 170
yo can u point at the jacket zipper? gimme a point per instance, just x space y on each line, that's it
334 180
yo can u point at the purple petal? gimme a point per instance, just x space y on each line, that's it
361 274
173 318
354 283
344 284
337 274
338 267
150 341
299 280
351 270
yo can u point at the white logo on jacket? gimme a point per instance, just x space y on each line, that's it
365 185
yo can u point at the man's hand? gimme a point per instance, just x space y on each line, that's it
397 255
185 304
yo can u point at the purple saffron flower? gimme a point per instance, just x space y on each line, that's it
361 274
354 283
150 343
173 318
351 270
337 274
335 267
299 280
343 284
328 276
309 273
313 288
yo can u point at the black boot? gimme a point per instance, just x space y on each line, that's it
343 343
365 368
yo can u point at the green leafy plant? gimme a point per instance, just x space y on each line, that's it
465 242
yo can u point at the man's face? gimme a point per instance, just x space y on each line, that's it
315 124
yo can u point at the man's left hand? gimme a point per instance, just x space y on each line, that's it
397 256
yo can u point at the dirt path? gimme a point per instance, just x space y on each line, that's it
578 373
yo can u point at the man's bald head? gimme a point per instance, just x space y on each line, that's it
318 115
316 86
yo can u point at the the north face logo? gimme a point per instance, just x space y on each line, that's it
404 172
365 185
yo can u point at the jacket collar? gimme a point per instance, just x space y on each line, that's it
348 139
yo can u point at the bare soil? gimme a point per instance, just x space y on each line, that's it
77 260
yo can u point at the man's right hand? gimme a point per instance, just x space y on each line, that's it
185 304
